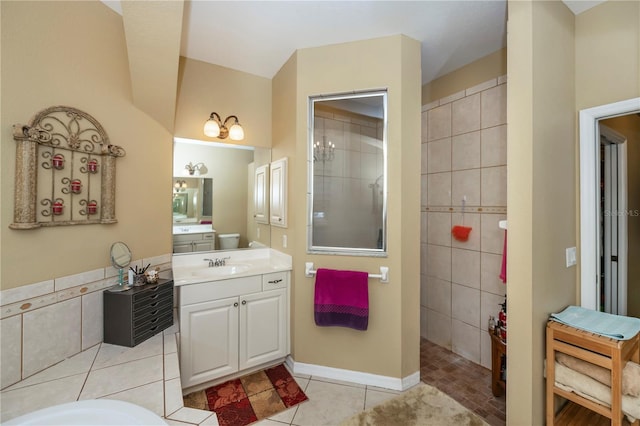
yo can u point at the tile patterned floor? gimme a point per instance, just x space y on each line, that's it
148 375
463 380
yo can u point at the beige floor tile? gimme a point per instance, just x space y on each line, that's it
113 354
375 397
150 396
191 415
121 377
329 403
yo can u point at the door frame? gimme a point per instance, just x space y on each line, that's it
589 181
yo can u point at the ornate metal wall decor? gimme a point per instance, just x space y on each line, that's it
65 170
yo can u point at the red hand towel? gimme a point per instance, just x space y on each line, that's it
503 269
342 299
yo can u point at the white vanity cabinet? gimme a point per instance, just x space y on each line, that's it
230 325
187 243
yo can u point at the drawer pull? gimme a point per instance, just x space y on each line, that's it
154 304
153 328
155 320
154 288
155 296
275 281
154 312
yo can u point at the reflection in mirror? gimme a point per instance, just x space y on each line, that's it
221 198
347 167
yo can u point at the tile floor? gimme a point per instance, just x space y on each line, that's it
148 375
463 380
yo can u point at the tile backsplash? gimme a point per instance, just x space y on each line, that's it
44 323
464 182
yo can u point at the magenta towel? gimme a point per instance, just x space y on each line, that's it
341 299
503 269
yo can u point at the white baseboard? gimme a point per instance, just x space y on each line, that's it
399 384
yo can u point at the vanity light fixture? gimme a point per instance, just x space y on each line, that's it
324 151
180 185
198 167
214 127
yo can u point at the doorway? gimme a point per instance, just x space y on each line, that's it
595 294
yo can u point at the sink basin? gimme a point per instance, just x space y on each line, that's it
234 269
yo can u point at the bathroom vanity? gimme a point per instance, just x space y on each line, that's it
189 238
234 317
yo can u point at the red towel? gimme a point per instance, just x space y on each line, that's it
342 299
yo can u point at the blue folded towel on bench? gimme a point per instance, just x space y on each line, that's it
615 326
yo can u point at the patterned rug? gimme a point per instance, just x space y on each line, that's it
256 396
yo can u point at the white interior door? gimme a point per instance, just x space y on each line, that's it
614 222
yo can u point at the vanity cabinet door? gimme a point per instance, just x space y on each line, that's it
278 193
261 188
263 327
208 340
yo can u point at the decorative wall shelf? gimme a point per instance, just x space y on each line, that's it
65 170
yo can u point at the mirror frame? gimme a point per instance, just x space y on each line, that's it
123 250
351 251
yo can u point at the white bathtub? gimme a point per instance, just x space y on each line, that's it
90 412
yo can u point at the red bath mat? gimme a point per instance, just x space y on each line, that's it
256 396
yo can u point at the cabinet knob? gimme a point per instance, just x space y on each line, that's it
235 305
244 302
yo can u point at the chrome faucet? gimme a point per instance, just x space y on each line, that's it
218 261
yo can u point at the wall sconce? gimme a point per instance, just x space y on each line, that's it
180 185
324 151
214 127
199 167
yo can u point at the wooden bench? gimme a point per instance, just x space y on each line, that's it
606 352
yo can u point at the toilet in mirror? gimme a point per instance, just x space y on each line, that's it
217 197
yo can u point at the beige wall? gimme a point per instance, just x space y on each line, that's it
205 88
607 54
390 346
488 67
541 192
45 65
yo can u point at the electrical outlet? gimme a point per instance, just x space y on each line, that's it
258 232
571 256
284 241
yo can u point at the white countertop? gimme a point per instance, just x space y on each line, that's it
192 268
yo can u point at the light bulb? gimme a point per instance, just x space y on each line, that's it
211 128
236 132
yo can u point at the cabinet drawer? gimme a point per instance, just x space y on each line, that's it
152 294
147 306
212 290
274 280
143 333
151 316
185 238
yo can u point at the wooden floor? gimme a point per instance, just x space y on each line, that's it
463 380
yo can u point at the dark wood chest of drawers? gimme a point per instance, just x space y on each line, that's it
135 315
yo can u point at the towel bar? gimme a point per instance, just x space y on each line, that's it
383 275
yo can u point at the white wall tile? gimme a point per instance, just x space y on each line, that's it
92 319
10 350
465 268
465 115
465 340
490 274
78 279
423 322
494 186
439 189
489 306
465 304
482 86
430 105
494 106
51 334
439 122
465 151
424 120
439 155
424 190
494 146
439 228
439 328
439 262
439 295
18 294
424 288
485 350
465 184
423 226
451 98
492 240
424 159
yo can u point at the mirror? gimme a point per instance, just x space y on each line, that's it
347 173
120 259
220 193
192 199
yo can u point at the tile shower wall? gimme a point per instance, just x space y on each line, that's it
44 323
464 157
